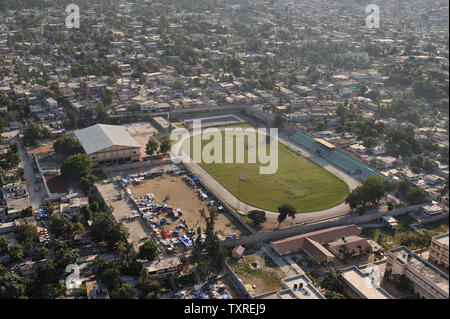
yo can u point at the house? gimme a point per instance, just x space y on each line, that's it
163 268
312 243
390 221
439 251
432 209
348 246
108 145
238 252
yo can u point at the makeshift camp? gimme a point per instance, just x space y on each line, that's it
186 241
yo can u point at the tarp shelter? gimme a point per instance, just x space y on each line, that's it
186 241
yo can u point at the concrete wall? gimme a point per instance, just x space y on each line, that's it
238 286
302 229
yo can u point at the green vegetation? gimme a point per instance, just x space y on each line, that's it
67 145
403 235
372 190
298 181
75 167
257 217
333 283
149 250
245 268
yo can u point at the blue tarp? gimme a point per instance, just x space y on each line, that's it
186 241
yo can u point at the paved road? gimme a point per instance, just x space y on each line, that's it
34 187
222 192
285 267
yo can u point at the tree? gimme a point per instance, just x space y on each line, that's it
164 148
353 200
416 195
257 216
75 167
86 185
15 252
278 122
149 250
332 280
106 228
68 145
112 278
151 147
11 285
3 245
125 291
284 211
60 225
48 206
27 236
102 116
372 190
149 288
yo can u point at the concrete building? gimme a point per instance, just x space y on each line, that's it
312 243
164 267
349 246
299 287
363 285
427 281
108 145
439 251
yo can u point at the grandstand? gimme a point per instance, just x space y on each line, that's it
327 151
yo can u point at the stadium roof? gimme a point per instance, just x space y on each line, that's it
100 136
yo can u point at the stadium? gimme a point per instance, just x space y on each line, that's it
302 182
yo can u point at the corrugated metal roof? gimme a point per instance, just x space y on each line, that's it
101 136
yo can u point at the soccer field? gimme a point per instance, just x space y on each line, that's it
298 181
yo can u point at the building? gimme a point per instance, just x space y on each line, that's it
363 285
238 252
108 145
349 246
298 287
163 268
432 209
439 251
390 221
427 281
313 246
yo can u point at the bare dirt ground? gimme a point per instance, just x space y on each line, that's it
266 278
185 198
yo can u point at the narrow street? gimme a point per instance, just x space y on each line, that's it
34 187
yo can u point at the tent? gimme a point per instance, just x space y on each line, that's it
186 241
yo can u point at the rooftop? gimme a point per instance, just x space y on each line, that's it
443 239
101 136
363 284
420 266
303 289
162 263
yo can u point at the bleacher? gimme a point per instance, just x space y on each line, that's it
336 158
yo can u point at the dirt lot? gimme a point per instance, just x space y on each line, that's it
263 279
138 228
184 198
